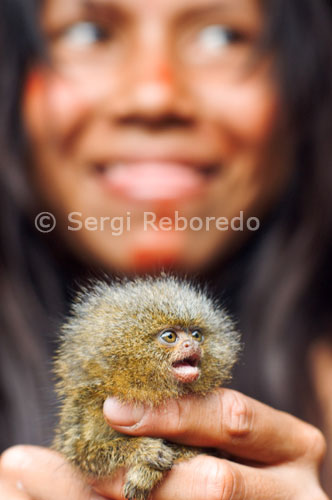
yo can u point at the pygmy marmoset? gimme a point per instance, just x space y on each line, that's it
143 341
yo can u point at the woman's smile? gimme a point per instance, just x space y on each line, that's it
153 180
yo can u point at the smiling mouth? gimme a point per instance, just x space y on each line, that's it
187 369
156 180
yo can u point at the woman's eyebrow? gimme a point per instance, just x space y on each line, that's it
104 8
208 9
244 11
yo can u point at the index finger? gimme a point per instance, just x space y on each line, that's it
226 420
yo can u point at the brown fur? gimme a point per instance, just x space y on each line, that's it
109 347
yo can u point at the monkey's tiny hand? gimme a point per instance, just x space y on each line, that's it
151 459
157 454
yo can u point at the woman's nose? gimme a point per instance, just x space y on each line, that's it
155 86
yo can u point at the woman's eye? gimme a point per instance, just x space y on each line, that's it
215 37
85 33
198 336
169 337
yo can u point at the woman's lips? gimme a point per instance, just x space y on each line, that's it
155 180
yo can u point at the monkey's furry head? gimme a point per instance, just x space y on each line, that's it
110 343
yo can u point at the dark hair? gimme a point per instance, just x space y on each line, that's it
29 288
282 297
286 301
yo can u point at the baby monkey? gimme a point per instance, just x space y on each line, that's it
143 341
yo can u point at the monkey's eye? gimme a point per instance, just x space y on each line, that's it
198 336
169 337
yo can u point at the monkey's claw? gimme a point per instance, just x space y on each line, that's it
162 459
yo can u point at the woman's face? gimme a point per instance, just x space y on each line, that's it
153 109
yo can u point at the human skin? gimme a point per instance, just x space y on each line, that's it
277 455
108 103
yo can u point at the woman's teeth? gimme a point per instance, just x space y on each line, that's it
155 180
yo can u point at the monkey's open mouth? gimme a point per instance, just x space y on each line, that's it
186 370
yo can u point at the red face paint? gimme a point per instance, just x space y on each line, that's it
34 85
157 250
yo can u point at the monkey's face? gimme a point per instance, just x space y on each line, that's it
185 352
160 359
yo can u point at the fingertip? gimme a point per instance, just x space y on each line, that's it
15 457
118 414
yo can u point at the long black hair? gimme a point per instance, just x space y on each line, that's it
285 302
31 296
281 280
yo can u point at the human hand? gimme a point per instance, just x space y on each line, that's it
276 456
33 473
279 455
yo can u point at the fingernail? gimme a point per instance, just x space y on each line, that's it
122 415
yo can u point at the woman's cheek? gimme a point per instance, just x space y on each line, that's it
53 104
246 108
